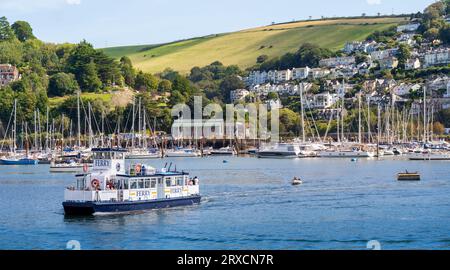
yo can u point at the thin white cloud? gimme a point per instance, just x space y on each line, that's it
374 2
33 5
73 2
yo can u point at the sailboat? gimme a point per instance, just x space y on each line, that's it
142 151
15 158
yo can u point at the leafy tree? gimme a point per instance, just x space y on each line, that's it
438 128
404 53
431 34
230 83
6 33
164 86
289 122
22 30
444 34
88 78
272 95
146 82
62 84
11 52
127 70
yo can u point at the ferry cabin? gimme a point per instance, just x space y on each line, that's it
110 182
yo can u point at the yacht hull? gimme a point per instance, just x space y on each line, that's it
277 155
25 161
90 208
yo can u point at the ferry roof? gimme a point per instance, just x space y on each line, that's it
156 174
109 150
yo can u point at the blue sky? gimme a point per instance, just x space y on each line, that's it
111 23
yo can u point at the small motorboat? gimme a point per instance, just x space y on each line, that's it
408 176
296 181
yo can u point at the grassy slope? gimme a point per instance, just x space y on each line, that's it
243 47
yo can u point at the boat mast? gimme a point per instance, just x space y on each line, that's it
359 118
302 113
15 127
90 125
132 124
35 130
144 138
47 133
424 114
139 123
79 120
369 135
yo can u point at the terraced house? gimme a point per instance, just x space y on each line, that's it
8 74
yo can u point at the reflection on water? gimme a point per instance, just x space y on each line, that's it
247 203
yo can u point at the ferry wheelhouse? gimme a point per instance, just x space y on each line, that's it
110 187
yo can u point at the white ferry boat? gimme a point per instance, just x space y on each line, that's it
110 188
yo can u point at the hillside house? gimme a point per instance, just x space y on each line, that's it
8 74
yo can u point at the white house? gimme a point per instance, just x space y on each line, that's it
411 27
353 46
437 57
413 63
388 63
322 101
283 75
378 55
300 73
337 61
238 94
256 77
317 73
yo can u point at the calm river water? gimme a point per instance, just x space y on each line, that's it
248 203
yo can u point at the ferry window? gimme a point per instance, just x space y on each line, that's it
160 181
290 148
153 183
133 184
147 183
80 184
141 183
168 182
125 184
179 181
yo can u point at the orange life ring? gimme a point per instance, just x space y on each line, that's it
137 168
95 183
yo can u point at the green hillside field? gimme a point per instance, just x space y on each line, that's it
243 47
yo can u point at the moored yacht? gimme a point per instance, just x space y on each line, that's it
112 188
183 152
280 150
224 151
346 153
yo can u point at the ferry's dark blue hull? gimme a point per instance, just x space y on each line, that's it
89 208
